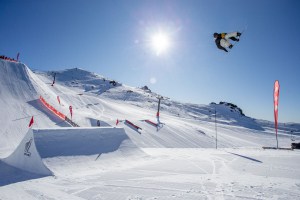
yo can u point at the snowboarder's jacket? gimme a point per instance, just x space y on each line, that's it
218 40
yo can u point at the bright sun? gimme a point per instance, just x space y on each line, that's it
160 42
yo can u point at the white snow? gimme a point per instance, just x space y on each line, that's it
178 160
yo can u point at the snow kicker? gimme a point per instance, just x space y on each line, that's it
40 144
27 158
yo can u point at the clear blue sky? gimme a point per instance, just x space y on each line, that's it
111 38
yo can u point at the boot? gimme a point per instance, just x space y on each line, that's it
230 46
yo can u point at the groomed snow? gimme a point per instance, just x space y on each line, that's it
178 160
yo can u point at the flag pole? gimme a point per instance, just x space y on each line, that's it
216 127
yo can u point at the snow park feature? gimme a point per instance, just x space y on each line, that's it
132 125
27 158
40 145
59 114
52 109
151 123
56 161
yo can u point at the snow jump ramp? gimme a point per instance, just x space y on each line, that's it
39 145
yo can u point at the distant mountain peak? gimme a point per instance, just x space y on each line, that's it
232 107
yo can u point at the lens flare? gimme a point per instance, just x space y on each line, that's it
160 42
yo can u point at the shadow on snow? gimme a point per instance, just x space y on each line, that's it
245 157
10 175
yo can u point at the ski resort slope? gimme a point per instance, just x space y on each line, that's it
93 98
184 125
20 90
167 173
176 160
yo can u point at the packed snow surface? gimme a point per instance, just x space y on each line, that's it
176 160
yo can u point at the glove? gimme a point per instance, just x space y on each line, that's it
230 46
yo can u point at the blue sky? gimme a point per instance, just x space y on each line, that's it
111 38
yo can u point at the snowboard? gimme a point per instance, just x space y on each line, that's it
236 42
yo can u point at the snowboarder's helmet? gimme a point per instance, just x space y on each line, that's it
215 35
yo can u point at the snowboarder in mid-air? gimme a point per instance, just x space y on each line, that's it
222 39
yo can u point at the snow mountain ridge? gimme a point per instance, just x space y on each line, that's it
144 97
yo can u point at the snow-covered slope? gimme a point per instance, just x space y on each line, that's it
186 125
19 91
176 160
95 98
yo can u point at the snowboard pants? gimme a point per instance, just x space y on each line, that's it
225 42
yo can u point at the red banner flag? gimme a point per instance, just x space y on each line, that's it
58 99
117 122
31 122
276 101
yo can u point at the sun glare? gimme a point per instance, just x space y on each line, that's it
160 42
